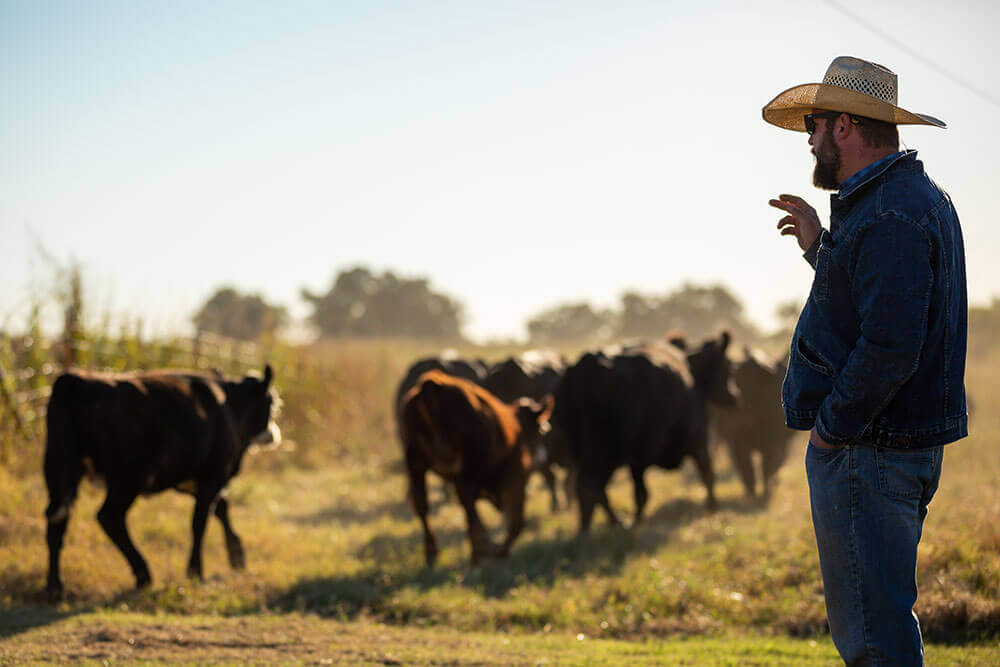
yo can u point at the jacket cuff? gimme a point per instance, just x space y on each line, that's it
810 254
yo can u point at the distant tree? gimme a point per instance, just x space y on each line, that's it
788 313
364 305
699 311
242 316
576 322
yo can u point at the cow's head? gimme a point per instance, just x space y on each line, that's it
256 404
757 374
533 418
712 371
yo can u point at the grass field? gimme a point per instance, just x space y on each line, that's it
335 561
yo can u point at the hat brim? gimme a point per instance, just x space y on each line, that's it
787 109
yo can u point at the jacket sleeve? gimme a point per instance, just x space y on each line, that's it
813 250
891 287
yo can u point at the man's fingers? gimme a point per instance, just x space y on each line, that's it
787 220
797 201
788 231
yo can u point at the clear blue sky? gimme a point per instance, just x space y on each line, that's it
518 154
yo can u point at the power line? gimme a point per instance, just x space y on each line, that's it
954 78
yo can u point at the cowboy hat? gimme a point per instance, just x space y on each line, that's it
850 85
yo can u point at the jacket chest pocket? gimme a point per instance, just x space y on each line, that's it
821 281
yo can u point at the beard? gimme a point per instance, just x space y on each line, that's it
827 164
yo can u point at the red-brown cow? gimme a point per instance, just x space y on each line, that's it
478 443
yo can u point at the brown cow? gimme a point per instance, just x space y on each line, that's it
478 443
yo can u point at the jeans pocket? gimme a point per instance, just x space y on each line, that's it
824 454
903 474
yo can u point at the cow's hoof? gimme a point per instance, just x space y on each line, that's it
143 581
54 592
194 573
237 559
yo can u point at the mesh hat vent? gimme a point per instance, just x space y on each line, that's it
880 89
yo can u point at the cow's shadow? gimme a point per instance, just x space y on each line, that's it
33 610
541 561
35 615
345 512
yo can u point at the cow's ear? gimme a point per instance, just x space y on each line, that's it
268 375
676 338
724 338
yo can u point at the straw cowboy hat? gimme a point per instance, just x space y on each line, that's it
850 85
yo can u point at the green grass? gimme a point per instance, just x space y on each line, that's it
108 636
335 558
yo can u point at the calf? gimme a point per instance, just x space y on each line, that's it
143 433
640 406
479 444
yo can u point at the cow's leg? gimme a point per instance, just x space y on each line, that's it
550 482
204 499
590 491
234 548
54 533
418 498
603 501
513 510
586 499
743 462
482 546
62 478
771 459
704 464
640 491
569 485
111 516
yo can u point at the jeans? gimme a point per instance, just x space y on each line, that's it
868 508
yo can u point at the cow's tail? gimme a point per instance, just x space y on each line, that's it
63 456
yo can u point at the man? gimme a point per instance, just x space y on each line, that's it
877 361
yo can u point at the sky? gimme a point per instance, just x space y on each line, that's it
520 155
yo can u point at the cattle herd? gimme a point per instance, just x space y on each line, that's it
483 429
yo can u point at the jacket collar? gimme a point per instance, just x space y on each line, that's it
871 172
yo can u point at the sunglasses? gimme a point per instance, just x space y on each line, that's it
810 119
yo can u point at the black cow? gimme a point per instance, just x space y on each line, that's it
535 374
143 433
758 423
642 405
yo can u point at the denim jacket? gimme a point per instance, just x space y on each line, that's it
878 354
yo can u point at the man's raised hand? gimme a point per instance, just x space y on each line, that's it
801 220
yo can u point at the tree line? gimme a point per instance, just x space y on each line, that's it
363 304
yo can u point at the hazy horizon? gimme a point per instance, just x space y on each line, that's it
519 157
